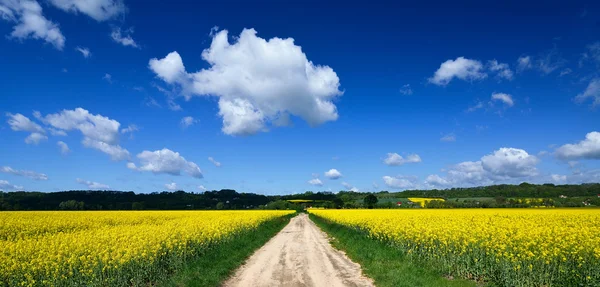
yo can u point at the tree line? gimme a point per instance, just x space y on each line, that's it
503 195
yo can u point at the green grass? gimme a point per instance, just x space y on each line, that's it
218 263
383 263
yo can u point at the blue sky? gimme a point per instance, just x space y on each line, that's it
293 96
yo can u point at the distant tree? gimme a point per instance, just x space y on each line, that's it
220 205
71 205
138 205
370 200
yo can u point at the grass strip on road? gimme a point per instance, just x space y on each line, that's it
386 265
218 263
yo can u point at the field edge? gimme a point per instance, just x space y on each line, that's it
386 265
218 264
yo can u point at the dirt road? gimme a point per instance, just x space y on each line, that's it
299 255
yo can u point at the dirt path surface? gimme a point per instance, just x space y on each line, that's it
299 255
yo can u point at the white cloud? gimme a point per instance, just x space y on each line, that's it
257 81
503 165
116 152
166 161
201 187
124 38
478 106
593 52
64 148
25 173
107 77
56 132
333 174
591 92
187 122
30 22
524 63
406 90
99 10
216 163
96 127
100 133
437 181
171 186
170 68
19 122
558 178
316 182
84 51
396 159
92 184
505 98
550 61
589 148
565 72
130 129
400 182
349 187
35 138
502 69
510 162
5 185
461 68
448 138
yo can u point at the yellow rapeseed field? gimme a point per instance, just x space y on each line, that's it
510 247
110 248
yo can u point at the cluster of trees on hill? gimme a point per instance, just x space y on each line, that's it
500 195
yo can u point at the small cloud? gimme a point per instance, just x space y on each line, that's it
186 122
130 129
333 174
138 88
502 70
477 106
25 173
349 187
394 159
448 138
201 187
151 102
107 77
460 68
505 98
64 70
216 163
565 72
315 182
171 186
92 184
64 148
524 63
5 185
124 37
84 51
406 90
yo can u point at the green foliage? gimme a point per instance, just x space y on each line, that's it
71 205
370 200
386 265
218 263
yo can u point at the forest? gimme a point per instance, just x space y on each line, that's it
485 196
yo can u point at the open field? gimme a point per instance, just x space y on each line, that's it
507 247
114 248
